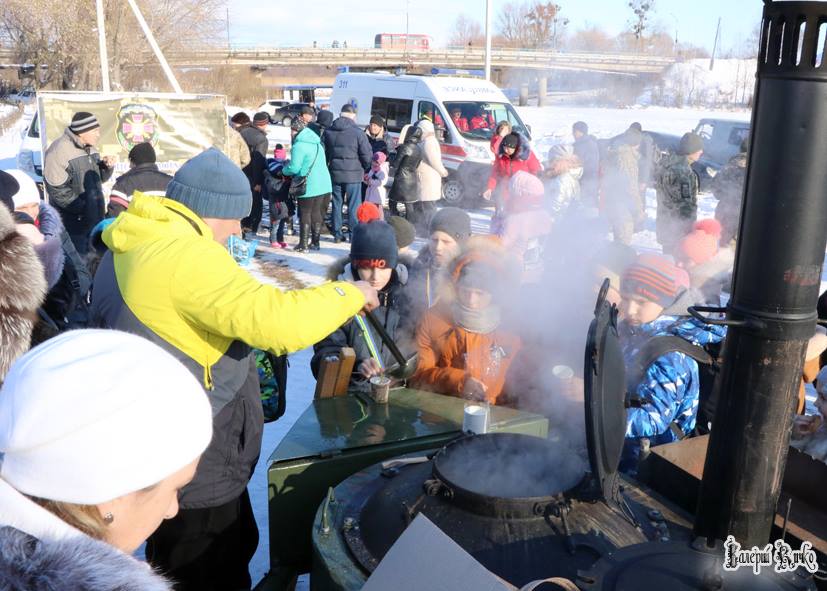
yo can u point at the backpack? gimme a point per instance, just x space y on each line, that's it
272 378
709 367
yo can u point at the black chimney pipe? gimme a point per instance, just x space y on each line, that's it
776 280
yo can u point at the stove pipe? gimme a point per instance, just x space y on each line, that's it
776 279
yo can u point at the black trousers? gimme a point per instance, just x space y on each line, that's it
311 209
207 549
253 221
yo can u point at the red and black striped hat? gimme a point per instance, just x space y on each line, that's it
655 278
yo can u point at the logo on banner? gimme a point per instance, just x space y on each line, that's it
137 124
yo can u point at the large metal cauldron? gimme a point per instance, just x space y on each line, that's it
521 505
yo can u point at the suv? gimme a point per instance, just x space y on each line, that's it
722 140
284 115
271 105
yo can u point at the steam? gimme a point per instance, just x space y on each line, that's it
553 318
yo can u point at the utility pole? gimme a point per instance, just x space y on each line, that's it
158 53
228 30
715 45
488 39
407 26
104 56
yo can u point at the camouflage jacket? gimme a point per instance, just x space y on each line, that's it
677 186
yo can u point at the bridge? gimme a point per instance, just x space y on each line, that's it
463 58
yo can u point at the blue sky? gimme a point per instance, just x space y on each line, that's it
291 23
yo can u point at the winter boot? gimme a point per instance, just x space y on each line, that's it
315 236
304 232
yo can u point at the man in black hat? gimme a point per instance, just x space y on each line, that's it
143 176
73 172
255 135
677 185
348 159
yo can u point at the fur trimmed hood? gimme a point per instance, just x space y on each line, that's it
76 563
523 150
22 289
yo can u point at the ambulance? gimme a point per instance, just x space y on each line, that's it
465 112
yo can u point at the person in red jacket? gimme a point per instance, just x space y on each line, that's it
514 155
460 121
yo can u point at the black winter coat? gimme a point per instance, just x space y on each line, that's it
145 178
405 187
392 313
348 151
588 152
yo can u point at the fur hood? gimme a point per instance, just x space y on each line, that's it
75 563
523 150
22 289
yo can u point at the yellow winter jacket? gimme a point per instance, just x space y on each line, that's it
184 286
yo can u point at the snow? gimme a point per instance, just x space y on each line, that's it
729 82
550 125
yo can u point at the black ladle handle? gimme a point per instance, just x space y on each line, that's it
386 338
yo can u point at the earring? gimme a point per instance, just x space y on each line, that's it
108 518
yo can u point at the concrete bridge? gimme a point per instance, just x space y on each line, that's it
464 58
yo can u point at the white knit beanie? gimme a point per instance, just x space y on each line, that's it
28 192
93 415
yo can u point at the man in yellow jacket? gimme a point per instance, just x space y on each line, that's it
170 278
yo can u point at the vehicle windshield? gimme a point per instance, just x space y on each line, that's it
478 120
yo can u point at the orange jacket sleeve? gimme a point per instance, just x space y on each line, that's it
430 336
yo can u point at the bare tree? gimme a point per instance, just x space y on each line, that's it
511 22
531 24
65 40
467 32
642 10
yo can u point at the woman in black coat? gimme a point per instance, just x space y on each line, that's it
405 188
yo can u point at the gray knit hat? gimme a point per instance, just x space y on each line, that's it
82 122
453 221
212 187
690 143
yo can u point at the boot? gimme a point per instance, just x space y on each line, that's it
304 231
315 236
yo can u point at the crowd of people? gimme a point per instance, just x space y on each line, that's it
161 314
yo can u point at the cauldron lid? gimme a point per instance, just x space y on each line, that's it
604 380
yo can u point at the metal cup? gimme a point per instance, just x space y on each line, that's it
379 388
475 419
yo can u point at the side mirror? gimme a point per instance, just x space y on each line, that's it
528 129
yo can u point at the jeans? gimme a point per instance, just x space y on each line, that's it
353 193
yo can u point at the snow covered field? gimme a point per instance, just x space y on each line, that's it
550 125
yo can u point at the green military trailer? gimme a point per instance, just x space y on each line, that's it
337 437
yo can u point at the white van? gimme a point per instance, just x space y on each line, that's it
405 99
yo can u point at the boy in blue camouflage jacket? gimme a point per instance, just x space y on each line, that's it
669 388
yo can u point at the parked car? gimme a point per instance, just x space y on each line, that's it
270 106
284 115
30 154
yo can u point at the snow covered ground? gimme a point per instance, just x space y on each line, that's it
293 270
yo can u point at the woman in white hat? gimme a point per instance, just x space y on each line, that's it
99 429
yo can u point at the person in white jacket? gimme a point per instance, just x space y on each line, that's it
431 172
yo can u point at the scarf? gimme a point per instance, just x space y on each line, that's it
483 321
